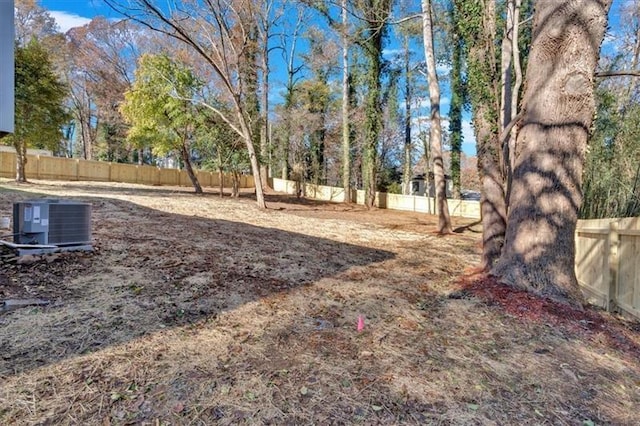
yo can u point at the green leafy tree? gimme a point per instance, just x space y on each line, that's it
39 97
160 108
612 170
222 150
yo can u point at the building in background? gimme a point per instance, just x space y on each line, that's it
7 85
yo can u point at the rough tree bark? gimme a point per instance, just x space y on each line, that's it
435 131
558 105
479 31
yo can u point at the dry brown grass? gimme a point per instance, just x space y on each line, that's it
201 310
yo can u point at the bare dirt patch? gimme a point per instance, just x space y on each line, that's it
201 310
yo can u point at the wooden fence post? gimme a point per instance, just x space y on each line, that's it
614 264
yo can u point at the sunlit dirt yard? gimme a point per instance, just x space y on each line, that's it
201 310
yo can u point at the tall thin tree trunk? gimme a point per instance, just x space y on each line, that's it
286 140
506 80
406 166
221 174
455 114
444 221
515 94
346 131
85 134
373 108
264 117
221 178
558 105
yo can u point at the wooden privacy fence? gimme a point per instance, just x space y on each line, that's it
608 262
59 168
412 203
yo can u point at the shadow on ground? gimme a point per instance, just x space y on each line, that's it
151 270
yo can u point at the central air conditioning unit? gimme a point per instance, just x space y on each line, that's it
54 222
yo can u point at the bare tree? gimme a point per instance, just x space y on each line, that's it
32 20
558 105
444 221
288 46
101 59
221 32
267 19
346 128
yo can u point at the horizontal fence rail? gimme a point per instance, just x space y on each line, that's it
411 203
60 168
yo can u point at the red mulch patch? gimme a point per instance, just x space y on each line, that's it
586 323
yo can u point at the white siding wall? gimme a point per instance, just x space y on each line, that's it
6 66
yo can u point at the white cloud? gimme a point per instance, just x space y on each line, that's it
67 20
467 132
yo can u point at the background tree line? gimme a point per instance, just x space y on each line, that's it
298 133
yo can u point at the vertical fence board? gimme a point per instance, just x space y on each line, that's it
607 261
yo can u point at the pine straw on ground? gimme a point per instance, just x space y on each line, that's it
201 310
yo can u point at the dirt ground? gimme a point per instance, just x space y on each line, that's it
197 310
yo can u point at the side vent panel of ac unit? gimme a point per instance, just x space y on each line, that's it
69 223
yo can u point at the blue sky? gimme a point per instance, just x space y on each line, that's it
73 13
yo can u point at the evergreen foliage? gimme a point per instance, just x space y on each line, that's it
39 102
611 181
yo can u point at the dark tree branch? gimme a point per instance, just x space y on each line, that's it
620 73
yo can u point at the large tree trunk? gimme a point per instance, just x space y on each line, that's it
346 131
435 131
558 105
493 204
